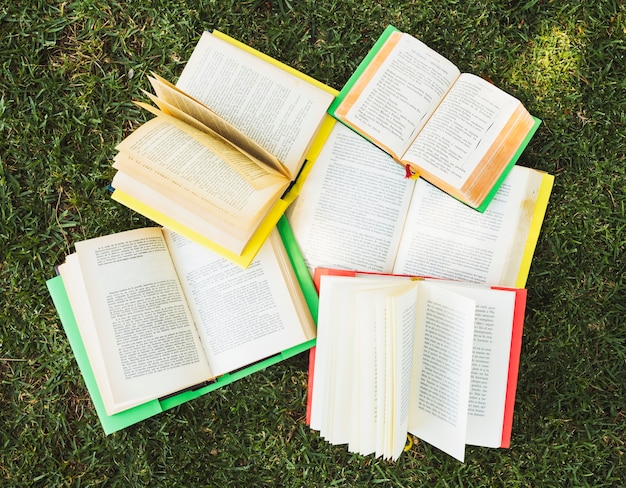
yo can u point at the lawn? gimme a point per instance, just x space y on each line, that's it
68 74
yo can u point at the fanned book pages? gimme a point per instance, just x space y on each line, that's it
219 160
357 212
437 359
456 130
151 314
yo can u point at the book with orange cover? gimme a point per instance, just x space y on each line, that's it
435 358
228 148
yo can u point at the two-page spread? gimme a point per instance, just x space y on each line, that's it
157 313
458 131
357 212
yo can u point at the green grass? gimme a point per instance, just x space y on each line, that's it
69 71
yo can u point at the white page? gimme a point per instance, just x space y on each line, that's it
242 315
330 354
490 362
464 127
142 321
333 402
445 239
404 317
363 418
382 388
442 368
276 109
350 211
402 94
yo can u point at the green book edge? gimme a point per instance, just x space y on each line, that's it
483 206
113 423
359 71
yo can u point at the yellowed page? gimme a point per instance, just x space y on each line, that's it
177 162
257 174
461 131
172 100
278 110
397 93
148 343
203 223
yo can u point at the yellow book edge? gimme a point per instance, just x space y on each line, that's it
535 227
244 259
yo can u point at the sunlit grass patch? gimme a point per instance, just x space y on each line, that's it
550 68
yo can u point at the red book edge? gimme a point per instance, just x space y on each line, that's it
514 360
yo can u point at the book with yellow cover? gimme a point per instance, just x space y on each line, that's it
357 212
223 157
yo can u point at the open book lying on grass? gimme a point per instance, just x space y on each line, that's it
438 359
456 130
227 142
150 313
357 212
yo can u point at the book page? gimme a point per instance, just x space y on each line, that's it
442 368
403 308
461 130
222 234
146 335
446 239
172 100
333 362
350 212
338 362
397 93
178 163
490 362
242 315
276 109
364 385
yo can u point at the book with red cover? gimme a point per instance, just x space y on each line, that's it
514 357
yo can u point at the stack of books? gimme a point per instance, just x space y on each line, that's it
391 214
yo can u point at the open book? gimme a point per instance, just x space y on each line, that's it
227 142
438 359
458 131
155 313
357 212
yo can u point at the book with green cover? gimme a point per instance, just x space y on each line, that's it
456 130
284 329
